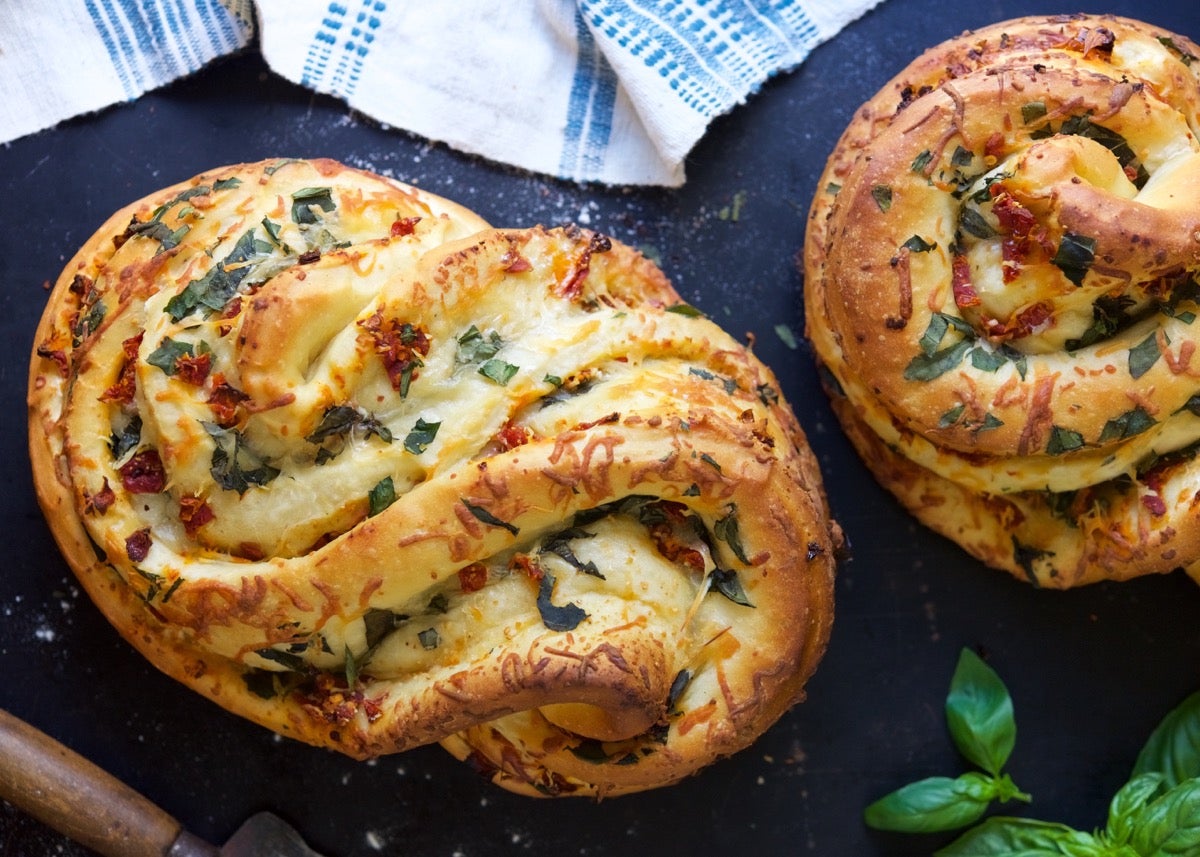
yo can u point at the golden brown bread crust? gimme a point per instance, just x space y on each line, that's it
1001 279
344 459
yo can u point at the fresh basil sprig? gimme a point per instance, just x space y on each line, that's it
1155 814
979 713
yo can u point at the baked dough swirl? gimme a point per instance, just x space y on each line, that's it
353 464
1001 278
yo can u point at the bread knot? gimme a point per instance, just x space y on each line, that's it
358 466
1002 277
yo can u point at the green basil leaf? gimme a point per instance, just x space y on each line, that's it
1063 440
974 223
556 617
381 496
1173 748
475 346
1127 802
1075 256
1171 824
498 371
917 244
168 353
1126 425
931 805
726 529
235 466
926 367
882 194
1032 111
1144 355
429 638
305 199
728 584
979 712
421 435
686 310
1000 836
483 515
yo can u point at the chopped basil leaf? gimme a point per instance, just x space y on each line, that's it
553 380
685 310
951 416
961 157
555 617
1192 405
1144 355
235 467
786 336
1111 140
1025 556
726 529
1063 440
304 199
1126 425
939 324
974 223
1184 57
1032 111
917 244
167 355
378 624
421 435
381 496
430 639
498 371
215 289
559 545
475 347
488 518
692 490
926 367
340 420
921 161
710 461
832 187
1075 255
678 686
882 194
227 184
289 658
728 584
124 441
1108 316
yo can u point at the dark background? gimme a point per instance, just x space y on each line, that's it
1091 672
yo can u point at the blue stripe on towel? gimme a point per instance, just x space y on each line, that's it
343 43
589 108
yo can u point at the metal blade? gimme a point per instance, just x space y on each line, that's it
266 835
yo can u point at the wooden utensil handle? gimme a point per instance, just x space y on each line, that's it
75 797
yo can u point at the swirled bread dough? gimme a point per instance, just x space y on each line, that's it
357 466
1001 280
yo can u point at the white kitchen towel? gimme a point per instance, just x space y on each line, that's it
613 91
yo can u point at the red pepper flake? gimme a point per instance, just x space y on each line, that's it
400 345
308 257
526 563
193 368
1155 504
1015 219
512 436
224 400
473 577
101 501
58 355
144 473
1032 317
194 513
137 545
964 293
403 226
675 549
121 392
994 146
571 285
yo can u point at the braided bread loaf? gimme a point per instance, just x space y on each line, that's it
1001 278
339 456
